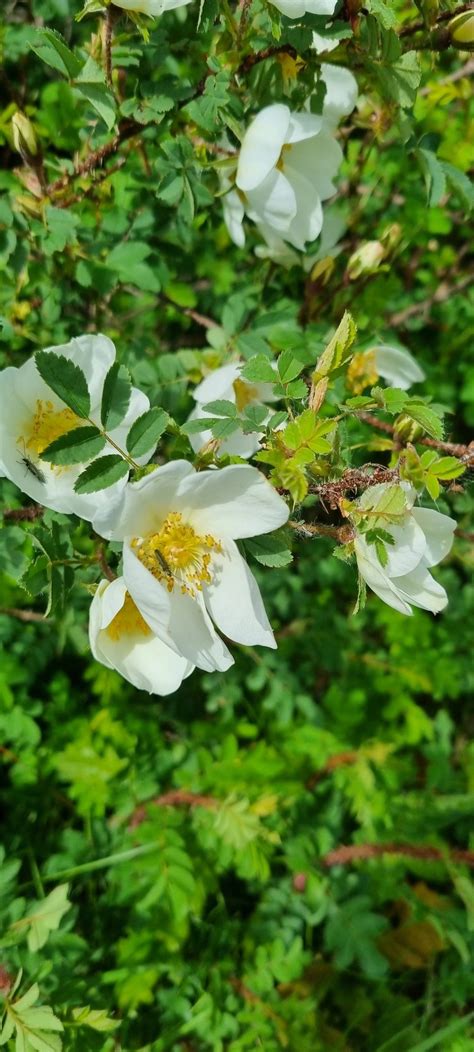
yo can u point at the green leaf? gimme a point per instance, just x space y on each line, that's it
101 474
337 352
221 407
127 261
90 83
51 47
460 183
351 934
435 176
271 549
96 1018
146 431
75 447
288 366
116 396
401 79
46 917
426 416
259 369
66 380
61 227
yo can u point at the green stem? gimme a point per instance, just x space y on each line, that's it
101 863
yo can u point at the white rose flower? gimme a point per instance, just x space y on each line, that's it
181 565
32 416
341 93
421 537
121 639
228 384
394 364
298 8
150 7
286 167
334 225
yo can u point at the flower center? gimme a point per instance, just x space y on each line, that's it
177 554
128 622
48 424
362 371
245 394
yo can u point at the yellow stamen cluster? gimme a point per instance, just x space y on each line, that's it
245 393
128 622
362 372
48 424
176 554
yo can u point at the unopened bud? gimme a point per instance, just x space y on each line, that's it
461 31
407 429
391 236
366 259
24 138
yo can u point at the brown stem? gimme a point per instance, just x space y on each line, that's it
102 560
353 480
173 798
340 759
444 292
454 449
445 16
29 514
127 129
343 534
22 615
347 854
108 31
259 56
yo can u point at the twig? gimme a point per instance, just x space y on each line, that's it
458 74
445 16
22 615
353 480
102 560
455 449
443 293
108 30
340 759
29 514
342 856
173 798
127 129
259 56
343 534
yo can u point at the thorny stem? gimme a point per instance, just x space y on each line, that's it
108 30
455 449
445 16
360 852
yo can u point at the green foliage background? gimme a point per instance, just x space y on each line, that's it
195 832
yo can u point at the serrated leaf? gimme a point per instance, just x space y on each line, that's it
146 432
96 1018
259 369
66 380
288 367
272 549
75 447
221 407
102 473
44 918
393 399
51 48
116 396
424 415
